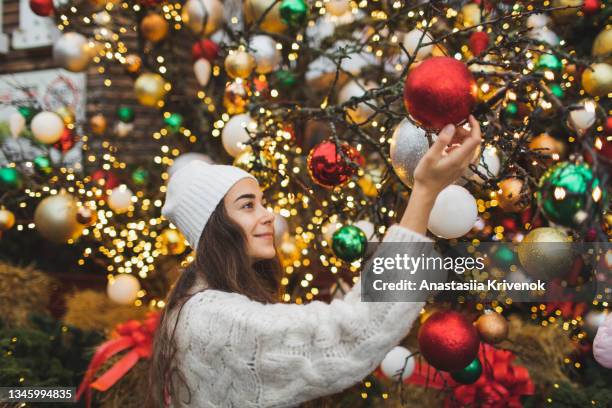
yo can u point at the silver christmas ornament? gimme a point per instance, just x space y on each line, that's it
72 52
408 145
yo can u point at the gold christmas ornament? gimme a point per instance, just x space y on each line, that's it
150 89
203 17
172 242
509 194
254 9
154 27
262 167
567 14
546 253
549 146
132 63
492 327
98 124
72 52
7 219
603 44
67 114
469 15
239 64
86 216
236 96
597 79
56 218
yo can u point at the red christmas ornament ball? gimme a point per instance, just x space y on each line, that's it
479 41
327 166
65 142
448 341
205 49
105 179
591 7
608 126
43 8
439 91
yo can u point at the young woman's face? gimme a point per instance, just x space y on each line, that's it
243 203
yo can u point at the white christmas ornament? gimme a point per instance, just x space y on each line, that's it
489 165
16 124
281 228
185 158
411 41
120 199
368 229
337 7
123 289
396 360
122 129
47 127
329 228
202 70
544 34
203 16
352 89
454 213
583 118
72 52
408 145
267 56
235 134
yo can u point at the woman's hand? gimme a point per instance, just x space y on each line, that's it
441 166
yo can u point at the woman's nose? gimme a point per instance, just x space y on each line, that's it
267 216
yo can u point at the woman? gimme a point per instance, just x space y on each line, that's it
223 341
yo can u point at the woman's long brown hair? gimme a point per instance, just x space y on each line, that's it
222 262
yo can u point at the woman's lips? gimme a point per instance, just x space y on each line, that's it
268 235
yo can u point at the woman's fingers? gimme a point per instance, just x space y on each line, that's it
465 152
444 138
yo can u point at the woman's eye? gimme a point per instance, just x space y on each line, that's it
248 205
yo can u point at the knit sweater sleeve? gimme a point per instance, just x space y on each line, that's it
280 355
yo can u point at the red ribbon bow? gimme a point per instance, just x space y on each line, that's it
137 336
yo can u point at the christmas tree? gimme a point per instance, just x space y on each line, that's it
331 105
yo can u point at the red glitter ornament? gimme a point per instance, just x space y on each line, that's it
43 8
448 341
105 179
439 91
205 49
479 41
65 142
327 167
591 7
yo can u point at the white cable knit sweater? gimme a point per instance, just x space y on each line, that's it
239 353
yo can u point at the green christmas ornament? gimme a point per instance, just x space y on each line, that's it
125 114
511 109
140 176
286 79
563 193
557 90
504 256
174 121
294 12
26 112
42 164
470 374
549 61
10 178
349 243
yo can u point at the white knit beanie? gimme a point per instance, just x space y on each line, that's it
194 192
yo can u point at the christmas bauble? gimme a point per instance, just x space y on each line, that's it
154 27
105 179
293 12
262 165
327 167
413 38
509 195
132 63
185 158
65 142
202 70
546 253
42 164
72 52
479 41
398 362
489 165
174 121
593 320
545 35
123 129
563 193
538 20
408 145
43 8
547 145
254 10
120 199
469 16
448 341
7 219
150 89
441 90
10 179
454 213
236 133
67 114
140 176
355 89
203 16
16 124
582 119
566 10
603 45
97 123
205 48
597 79
469 374
349 243
47 127
267 56
591 7
239 64
492 327
56 218
281 228
603 147
337 7
86 216
123 289
549 61
172 242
